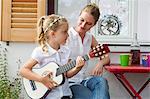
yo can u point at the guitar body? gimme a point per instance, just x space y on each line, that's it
37 90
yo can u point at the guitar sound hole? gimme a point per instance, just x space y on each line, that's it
32 85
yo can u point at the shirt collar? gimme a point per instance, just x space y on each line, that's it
75 33
52 51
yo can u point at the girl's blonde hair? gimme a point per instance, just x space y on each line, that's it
46 23
93 9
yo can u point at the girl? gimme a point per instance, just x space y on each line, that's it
95 86
52 36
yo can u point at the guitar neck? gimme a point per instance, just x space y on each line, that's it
70 65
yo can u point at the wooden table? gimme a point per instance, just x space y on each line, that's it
119 71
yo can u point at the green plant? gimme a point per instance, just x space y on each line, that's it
8 89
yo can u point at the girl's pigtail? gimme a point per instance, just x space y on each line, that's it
41 35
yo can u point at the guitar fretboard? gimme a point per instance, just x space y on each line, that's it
66 67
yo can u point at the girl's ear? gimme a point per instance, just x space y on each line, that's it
53 33
50 32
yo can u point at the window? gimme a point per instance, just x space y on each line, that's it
116 21
123 22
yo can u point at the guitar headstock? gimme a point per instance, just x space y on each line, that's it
99 51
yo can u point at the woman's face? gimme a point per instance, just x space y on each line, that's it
85 22
61 34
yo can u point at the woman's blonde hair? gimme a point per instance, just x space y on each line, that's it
46 23
93 9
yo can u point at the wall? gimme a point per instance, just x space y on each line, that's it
144 22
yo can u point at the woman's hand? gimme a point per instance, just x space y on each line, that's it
98 69
48 81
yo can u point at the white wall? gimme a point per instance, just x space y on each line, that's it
144 21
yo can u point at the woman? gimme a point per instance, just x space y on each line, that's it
80 41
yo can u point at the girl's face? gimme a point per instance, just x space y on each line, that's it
61 34
85 22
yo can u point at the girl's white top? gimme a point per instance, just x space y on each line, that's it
60 57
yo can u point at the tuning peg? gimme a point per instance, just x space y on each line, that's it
94 48
98 49
96 54
102 57
100 53
94 51
97 46
102 47
104 52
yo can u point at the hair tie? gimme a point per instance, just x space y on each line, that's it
42 24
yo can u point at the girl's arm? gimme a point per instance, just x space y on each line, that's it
79 64
26 71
